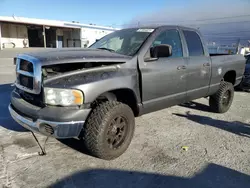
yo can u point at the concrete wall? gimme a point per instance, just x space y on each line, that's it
13 34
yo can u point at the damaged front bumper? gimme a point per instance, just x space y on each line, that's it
49 128
58 122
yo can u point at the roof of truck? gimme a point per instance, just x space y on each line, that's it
155 26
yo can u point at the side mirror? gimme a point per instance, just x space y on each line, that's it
162 50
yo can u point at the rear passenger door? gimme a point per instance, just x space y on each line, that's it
199 66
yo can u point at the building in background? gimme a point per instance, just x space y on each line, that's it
90 33
20 32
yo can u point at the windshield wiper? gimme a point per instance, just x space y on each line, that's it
107 49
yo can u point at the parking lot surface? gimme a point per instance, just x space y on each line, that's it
182 146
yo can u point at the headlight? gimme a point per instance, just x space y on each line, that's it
63 97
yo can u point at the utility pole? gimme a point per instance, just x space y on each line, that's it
44 37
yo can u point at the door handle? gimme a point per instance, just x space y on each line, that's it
206 64
181 67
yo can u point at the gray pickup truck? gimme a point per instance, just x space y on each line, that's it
94 94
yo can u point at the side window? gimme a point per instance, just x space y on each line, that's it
194 43
170 37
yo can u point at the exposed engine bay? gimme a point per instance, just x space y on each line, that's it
57 69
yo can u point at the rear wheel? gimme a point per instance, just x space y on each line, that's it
109 130
222 100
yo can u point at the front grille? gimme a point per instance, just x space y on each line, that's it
26 81
28 73
26 66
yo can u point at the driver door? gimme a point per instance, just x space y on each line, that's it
164 79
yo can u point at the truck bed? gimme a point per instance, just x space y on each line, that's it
222 64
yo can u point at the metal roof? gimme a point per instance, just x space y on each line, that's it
34 21
52 23
91 26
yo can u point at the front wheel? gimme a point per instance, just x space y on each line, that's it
109 130
222 100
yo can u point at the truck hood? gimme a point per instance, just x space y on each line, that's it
76 55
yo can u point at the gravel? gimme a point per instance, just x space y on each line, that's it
217 152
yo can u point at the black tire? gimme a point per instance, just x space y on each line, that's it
222 100
98 135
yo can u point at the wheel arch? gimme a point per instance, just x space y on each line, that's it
124 95
230 76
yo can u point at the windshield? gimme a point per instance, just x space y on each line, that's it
125 42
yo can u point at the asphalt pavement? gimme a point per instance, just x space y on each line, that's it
182 146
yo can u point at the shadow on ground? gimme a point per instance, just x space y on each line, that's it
212 176
6 120
197 106
76 144
235 127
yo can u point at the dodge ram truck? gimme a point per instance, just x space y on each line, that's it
94 94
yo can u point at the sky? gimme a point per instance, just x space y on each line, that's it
234 14
102 12
221 21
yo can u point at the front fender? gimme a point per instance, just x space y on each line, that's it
95 83
94 89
